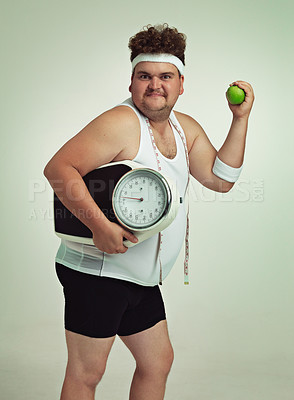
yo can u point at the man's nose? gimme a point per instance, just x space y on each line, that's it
155 83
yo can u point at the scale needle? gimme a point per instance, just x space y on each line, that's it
133 198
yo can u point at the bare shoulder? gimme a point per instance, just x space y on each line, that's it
101 141
112 125
122 116
190 126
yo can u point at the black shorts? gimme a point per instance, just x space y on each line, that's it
102 307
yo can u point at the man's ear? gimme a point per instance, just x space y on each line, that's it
130 87
182 84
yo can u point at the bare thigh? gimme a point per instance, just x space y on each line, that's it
150 347
86 354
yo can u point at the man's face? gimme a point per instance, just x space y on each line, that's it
155 88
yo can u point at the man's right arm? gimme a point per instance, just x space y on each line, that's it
100 142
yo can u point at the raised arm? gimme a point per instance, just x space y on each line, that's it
202 154
103 140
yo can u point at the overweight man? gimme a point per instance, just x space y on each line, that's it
111 290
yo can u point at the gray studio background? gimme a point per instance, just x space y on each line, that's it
63 63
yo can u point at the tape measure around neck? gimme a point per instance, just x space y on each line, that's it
156 152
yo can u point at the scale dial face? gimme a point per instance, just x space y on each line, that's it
141 198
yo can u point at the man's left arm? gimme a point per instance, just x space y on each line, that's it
218 170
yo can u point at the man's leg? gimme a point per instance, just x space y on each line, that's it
153 353
87 359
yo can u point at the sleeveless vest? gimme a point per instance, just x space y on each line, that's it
140 264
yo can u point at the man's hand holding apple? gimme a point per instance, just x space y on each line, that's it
242 110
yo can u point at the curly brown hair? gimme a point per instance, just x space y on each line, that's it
158 39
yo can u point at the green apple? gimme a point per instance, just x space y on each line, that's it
235 95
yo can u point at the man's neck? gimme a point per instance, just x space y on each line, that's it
160 126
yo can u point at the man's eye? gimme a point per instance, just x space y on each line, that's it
144 77
166 77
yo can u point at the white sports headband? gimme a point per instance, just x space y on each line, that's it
156 57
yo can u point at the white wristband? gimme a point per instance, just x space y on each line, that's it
226 172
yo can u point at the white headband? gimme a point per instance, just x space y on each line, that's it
157 57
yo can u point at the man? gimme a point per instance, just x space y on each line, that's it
111 290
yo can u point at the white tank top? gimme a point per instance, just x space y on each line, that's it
140 264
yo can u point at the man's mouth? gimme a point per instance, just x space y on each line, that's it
155 94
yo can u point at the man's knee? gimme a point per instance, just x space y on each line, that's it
88 376
167 360
160 366
93 377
